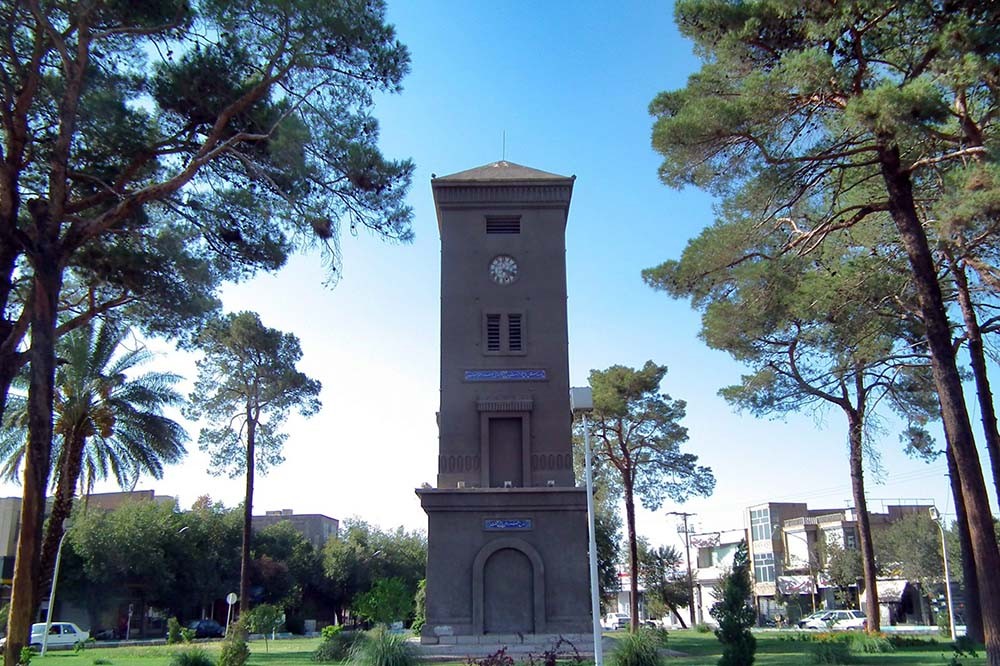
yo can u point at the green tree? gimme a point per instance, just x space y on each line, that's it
858 106
301 562
388 600
265 619
824 329
663 575
910 548
734 612
364 554
844 568
636 434
247 381
108 420
217 135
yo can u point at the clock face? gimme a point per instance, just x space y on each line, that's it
503 269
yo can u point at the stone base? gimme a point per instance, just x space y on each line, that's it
504 564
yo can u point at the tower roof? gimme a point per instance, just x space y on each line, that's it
501 171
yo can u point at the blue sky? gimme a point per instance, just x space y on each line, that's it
569 84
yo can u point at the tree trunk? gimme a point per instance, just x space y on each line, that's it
69 464
633 552
973 609
949 386
46 283
977 358
677 614
247 518
856 437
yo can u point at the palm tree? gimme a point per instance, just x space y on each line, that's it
107 422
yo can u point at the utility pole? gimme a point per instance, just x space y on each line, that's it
687 550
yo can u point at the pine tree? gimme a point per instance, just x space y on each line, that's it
734 612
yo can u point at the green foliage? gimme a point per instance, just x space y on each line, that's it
829 649
264 619
862 642
175 558
187 635
734 612
235 647
27 653
702 628
419 607
247 381
336 644
173 631
911 548
388 600
4 614
380 647
191 657
364 554
663 575
639 648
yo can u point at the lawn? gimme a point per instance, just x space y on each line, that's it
773 649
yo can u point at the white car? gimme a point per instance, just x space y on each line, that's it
61 635
614 621
838 620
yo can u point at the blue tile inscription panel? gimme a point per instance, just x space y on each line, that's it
512 375
507 524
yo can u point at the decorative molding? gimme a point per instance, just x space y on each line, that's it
546 461
505 404
449 464
536 195
510 375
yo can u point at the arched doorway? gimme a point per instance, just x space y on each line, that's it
507 593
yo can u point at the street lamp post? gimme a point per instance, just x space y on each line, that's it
937 518
581 401
52 593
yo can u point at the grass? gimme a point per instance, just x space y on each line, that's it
773 649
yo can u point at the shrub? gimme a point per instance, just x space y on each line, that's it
380 647
192 657
829 649
419 607
27 652
235 650
640 648
187 635
702 628
102 662
173 631
336 645
553 655
498 658
865 643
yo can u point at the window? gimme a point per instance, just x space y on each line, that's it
504 333
760 524
763 567
850 539
503 225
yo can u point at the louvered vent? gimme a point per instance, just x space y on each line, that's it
493 332
514 332
503 225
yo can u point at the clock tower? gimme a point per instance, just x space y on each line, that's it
507 530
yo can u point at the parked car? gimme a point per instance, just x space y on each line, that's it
808 618
838 620
61 635
206 629
614 621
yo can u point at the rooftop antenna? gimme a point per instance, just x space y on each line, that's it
503 150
